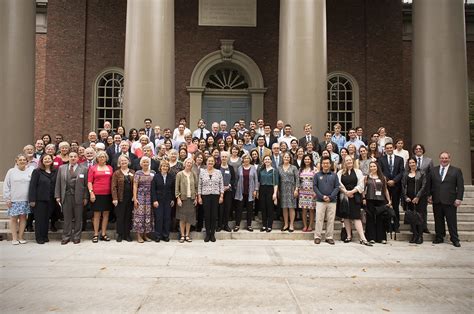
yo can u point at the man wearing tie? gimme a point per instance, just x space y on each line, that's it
201 131
124 150
277 160
360 135
425 164
392 168
114 148
72 195
446 193
269 139
262 149
148 129
309 138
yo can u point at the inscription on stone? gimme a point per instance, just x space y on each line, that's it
228 13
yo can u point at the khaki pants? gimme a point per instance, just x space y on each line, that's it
327 210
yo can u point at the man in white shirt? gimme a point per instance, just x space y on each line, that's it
260 125
280 125
287 137
201 131
183 122
354 140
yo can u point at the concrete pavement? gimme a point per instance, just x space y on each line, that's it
236 276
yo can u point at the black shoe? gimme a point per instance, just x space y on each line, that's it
419 240
119 238
250 229
263 229
269 229
157 239
128 239
457 244
284 229
227 228
413 239
218 229
207 238
40 241
426 231
347 240
213 238
46 240
438 241
166 239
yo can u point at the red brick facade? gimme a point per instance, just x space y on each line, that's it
87 36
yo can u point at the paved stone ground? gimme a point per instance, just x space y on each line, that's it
236 276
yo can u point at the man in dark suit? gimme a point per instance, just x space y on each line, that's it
327 140
360 135
446 193
262 149
277 159
146 152
308 137
124 150
392 168
114 148
268 136
425 164
72 195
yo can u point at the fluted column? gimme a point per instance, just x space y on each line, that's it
440 111
17 78
302 66
149 63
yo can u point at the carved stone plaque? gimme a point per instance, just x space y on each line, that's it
228 13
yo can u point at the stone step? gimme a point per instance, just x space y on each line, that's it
277 225
256 235
461 216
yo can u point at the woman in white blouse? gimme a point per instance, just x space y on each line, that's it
210 195
15 194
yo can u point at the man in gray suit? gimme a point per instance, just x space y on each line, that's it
72 195
424 164
446 193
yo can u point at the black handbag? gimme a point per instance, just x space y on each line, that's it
413 217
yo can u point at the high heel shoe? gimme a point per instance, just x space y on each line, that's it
347 240
284 229
366 243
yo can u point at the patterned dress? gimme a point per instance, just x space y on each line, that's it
143 220
306 192
289 180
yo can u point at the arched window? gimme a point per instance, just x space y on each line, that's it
225 78
108 98
343 97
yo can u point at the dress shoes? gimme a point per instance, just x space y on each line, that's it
330 241
419 240
438 241
207 238
64 242
76 241
213 238
227 228
119 238
40 241
317 241
457 244
166 239
128 239
46 240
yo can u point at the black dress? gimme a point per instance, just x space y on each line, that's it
411 191
350 182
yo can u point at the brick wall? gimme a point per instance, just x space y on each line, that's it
193 42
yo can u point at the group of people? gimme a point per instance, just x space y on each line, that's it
148 180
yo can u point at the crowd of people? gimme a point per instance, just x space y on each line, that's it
147 180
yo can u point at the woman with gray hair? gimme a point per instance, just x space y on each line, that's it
15 194
63 157
143 221
186 199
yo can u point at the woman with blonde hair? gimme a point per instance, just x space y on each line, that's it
99 185
351 187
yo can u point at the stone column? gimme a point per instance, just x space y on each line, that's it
17 78
149 63
440 112
302 68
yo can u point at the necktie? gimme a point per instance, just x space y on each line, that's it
307 138
277 161
390 163
261 152
117 149
202 134
71 170
441 174
419 163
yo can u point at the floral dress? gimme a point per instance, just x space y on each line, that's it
143 220
306 192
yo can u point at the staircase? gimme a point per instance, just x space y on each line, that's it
465 226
